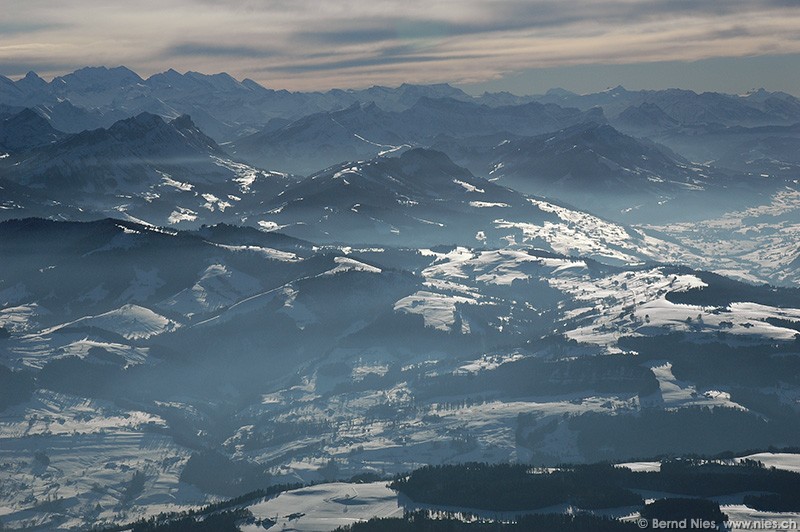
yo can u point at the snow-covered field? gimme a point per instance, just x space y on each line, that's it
132 322
784 461
327 506
598 309
67 462
676 394
758 244
375 415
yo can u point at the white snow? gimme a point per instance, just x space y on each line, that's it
182 214
327 506
468 187
677 394
489 362
268 253
641 466
130 321
757 244
437 309
218 287
270 226
487 204
20 318
245 175
388 147
81 348
353 170
214 203
346 264
167 180
94 448
571 239
784 461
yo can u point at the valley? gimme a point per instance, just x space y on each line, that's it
329 291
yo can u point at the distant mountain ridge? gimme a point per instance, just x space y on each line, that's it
589 157
363 131
301 132
227 108
222 105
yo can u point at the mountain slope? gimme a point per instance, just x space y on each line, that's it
323 139
198 363
597 168
644 118
422 198
161 172
365 131
589 158
120 156
26 130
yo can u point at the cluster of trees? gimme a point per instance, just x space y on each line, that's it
517 487
708 478
218 522
697 514
213 472
721 291
774 502
715 363
134 487
686 431
15 387
535 376
77 376
512 487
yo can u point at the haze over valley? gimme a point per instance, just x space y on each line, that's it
281 309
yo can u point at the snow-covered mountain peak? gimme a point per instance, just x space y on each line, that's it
97 79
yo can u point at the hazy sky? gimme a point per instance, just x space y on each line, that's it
524 46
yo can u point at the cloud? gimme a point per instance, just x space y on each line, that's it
381 60
309 44
12 27
213 50
12 68
345 36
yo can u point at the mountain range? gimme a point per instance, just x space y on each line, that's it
210 288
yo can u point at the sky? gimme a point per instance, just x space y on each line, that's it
523 46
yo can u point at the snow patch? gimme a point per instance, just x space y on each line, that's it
132 322
182 214
346 264
468 187
487 204
167 180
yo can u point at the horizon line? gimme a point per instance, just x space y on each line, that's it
458 86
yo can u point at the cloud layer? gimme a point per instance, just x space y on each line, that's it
305 44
